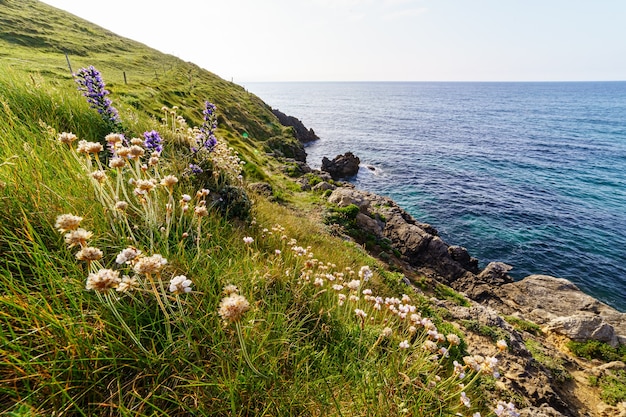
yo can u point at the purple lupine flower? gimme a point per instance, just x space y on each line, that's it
91 84
152 141
207 130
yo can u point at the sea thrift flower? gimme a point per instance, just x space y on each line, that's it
230 289
121 205
67 138
103 280
506 410
201 211
233 307
169 181
354 284
127 284
464 400
404 344
135 152
387 331
248 240
99 176
152 141
78 237
117 162
89 254
127 255
430 346
180 285
453 339
360 313
150 264
67 222
365 273
91 84
342 299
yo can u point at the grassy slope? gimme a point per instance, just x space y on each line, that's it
69 351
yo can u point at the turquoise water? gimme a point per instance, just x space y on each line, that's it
531 174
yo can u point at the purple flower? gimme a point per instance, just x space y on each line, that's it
195 169
207 130
91 84
152 141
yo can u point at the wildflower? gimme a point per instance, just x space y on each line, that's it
453 339
337 287
233 307
430 346
127 284
117 162
365 273
406 299
404 344
501 345
277 252
248 240
506 410
135 152
367 291
464 400
137 142
354 284
342 299
121 205
195 169
360 313
476 414
91 84
103 280
99 176
230 289
201 211
180 284
206 137
77 237
412 330
150 264
89 254
114 138
67 138
127 255
143 187
152 141
459 369
387 331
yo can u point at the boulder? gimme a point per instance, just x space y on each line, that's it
262 188
581 327
323 186
342 166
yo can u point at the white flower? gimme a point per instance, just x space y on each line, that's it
127 284
103 280
180 284
464 400
248 240
360 313
150 264
67 222
354 284
127 255
453 339
365 273
501 345
404 344
233 307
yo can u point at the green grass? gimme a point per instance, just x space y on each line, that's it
299 349
595 349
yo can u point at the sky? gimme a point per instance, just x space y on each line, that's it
377 40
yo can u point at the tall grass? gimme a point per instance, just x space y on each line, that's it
322 335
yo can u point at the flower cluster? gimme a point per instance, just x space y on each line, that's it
206 137
153 141
91 84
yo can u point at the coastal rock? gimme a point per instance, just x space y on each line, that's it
543 411
583 327
563 307
324 186
417 243
342 166
303 134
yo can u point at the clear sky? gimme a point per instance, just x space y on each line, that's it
378 40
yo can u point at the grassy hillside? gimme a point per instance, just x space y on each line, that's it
171 293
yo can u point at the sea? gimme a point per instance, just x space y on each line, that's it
532 174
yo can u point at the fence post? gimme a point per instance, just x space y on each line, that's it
125 82
67 58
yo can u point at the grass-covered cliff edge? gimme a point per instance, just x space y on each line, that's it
188 293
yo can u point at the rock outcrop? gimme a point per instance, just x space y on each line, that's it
342 166
563 308
303 134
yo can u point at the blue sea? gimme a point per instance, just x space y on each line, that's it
530 174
